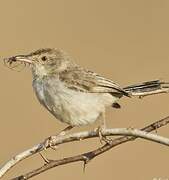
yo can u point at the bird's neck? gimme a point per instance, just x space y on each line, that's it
38 71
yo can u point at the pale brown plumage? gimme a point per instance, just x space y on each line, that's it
71 93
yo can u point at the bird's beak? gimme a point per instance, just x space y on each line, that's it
19 58
23 59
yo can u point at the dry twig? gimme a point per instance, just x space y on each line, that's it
129 135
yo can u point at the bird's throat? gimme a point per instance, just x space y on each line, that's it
39 71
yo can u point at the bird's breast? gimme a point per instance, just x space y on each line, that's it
38 87
70 106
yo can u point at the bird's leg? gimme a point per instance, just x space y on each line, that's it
64 131
50 141
101 128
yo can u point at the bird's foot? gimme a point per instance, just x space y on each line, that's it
50 142
102 138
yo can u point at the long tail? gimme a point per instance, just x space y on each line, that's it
148 88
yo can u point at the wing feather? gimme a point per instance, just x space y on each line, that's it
88 81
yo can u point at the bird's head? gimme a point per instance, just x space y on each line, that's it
44 61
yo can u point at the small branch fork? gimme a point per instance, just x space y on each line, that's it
128 134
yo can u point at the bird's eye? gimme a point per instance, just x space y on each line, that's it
44 58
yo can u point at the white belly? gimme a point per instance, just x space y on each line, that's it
70 106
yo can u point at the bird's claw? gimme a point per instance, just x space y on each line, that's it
50 142
103 138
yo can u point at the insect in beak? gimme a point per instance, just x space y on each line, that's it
20 58
17 61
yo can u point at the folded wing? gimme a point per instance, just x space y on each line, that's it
90 82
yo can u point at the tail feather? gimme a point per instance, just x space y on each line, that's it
147 88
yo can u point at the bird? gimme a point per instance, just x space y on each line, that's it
75 95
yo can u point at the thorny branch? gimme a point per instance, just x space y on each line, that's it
128 135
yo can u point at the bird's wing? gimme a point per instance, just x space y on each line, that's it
88 81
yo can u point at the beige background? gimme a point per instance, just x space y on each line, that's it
125 40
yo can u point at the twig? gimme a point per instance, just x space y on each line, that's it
130 134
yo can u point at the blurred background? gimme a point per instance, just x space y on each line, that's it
126 41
